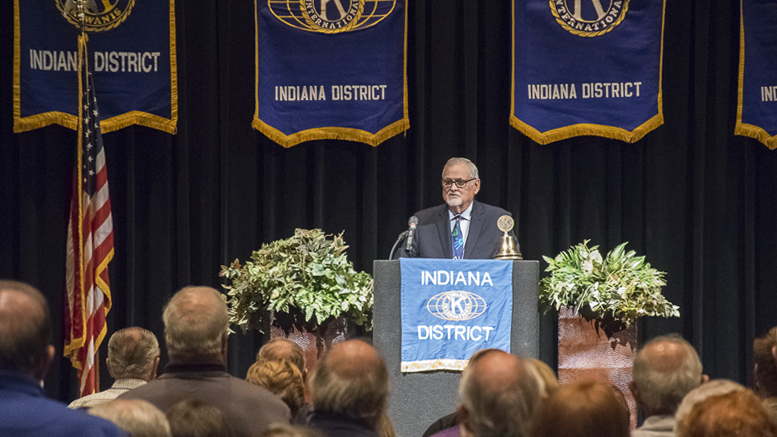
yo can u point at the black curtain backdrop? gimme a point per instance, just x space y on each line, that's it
698 201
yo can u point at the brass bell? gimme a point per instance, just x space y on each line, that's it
508 248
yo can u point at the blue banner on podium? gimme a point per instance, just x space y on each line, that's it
453 308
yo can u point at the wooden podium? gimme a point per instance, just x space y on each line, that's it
419 399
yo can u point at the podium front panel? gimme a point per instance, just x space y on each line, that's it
419 399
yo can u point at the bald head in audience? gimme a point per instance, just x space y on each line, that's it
24 330
499 393
351 380
25 357
665 370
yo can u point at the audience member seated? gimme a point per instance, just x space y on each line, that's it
195 418
545 376
499 394
283 379
766 369
138 418
737 413
196 329
385 427
25 357
546 380
350 389
665 370
279 430
280 348
583 409
712 388
133 359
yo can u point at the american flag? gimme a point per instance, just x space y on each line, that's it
89 239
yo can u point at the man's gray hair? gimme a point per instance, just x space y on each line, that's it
196 319
499 408
351 383
132 352
139 418
471 167
661 390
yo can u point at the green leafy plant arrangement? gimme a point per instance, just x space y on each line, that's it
307 277
619 288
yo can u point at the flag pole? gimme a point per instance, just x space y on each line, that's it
82 63
83 38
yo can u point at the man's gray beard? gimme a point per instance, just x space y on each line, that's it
453 200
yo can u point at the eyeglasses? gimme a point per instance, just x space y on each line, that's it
459 184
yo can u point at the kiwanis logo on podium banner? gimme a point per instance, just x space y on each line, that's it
757 108
132 58
587 67
331 69
452 309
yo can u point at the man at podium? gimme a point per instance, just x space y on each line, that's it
460 228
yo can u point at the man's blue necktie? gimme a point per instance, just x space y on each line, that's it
457 240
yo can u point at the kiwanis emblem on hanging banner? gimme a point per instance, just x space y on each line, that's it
101 16
589 18
592 82
131 54
331 70
331 16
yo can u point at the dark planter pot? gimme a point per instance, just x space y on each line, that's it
586 351
314 338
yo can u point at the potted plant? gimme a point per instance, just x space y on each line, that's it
305 280
613 291
610 293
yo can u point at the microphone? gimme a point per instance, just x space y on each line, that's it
412 223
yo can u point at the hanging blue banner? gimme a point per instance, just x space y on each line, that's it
757 105
131 55
331 69
587 67
452 309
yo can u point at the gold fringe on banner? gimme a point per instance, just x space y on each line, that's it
70 121
142 119
331 133
745 129
581 129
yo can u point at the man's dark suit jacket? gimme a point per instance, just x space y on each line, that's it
433 234
339 425
248 408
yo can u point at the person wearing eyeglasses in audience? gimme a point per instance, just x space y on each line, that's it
462 227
